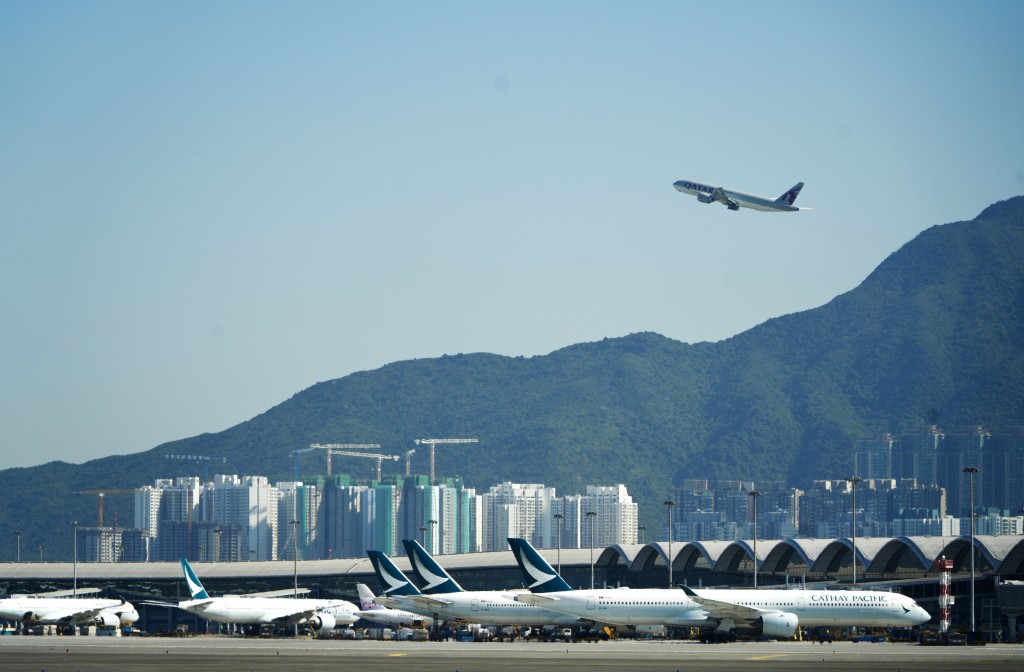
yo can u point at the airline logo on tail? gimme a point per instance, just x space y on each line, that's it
535 568
791 195
390 575
195 587
432 574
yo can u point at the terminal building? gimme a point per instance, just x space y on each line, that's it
905 564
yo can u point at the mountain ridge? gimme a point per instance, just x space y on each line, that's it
930 334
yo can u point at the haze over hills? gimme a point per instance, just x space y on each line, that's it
932 335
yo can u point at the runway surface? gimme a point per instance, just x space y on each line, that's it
94 654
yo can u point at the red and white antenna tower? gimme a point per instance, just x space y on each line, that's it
945 568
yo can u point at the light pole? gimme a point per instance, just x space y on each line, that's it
433 535
74 585
592 515
853 481
17 536
41 546
220 540
754 494
643 537
558 519
295 554
423 535
670 504
971 471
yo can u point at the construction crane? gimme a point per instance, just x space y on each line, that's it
408 461
377 456
334 448
206 459
433 442
102 494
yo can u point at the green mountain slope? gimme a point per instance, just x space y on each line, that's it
934 331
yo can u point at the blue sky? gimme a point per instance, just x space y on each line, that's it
208 207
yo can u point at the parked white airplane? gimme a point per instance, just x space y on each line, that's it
321 615
31 610
455 604
720 613
734 200
378 613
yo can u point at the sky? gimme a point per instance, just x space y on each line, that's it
206 208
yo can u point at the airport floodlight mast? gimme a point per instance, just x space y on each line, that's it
335 448
433 442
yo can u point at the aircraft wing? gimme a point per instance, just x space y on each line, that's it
168 605
428 600
75 615
720 196
536 599
287 592
721 610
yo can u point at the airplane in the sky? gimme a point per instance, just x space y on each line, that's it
378 613
452 603
48 609
734 200
259 608
720 613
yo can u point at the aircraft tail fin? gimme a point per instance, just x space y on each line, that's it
790 195
195 586
433 575
391 577
367 600
540 576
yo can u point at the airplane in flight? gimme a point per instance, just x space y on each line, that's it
50 609
450 602
720 613
260 608
734 200
378 613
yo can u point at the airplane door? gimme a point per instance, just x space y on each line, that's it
474 605
801 603
590 603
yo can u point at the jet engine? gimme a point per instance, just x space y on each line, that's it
780 626
107 618
705 198
323 623
30 616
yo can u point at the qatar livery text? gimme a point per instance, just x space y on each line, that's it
734 200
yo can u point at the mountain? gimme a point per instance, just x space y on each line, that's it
933 334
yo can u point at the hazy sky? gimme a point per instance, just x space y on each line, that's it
207 207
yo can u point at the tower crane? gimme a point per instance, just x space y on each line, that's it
205 459
102 493
377 456
334 448
433 442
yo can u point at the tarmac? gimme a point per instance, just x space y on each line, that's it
220 653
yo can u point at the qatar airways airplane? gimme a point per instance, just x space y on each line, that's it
734 200
720 613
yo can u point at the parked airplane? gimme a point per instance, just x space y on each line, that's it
46 609
378 613
470 606
734 200
321 615
720 613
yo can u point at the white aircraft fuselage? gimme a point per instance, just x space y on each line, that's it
485 606
284 610
734 200
68 610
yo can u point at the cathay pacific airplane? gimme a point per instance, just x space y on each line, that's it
31 610
720 613
734 200
454 603
378 613
321 615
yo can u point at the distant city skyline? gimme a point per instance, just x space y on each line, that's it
193 235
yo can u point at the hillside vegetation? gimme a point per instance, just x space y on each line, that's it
934 333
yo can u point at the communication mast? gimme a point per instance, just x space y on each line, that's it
433 442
